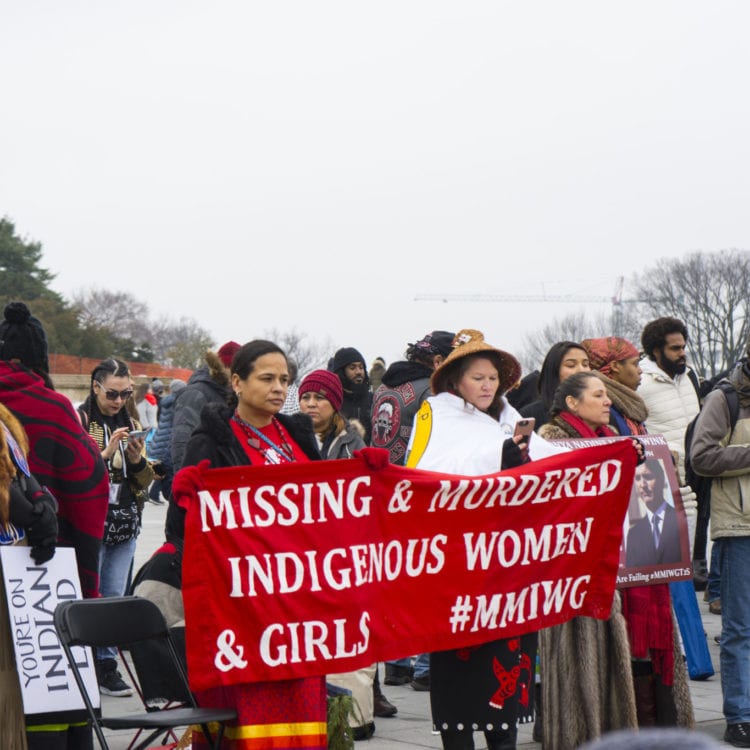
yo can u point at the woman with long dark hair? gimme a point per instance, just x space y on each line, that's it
104 415
565 358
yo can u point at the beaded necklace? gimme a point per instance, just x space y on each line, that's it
254 437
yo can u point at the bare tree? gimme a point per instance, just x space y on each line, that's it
573 327
709 292
180 343
119 313
308 353
125 325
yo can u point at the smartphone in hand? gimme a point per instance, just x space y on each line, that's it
524 427
137 434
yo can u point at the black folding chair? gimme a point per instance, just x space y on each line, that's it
149 668
122 622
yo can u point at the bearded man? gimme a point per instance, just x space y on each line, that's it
349 365
668 385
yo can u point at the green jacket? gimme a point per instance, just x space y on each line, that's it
726 457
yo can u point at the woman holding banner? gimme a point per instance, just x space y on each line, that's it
457 431
252 431
587 682
660 677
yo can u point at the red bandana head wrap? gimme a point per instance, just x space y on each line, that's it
603 352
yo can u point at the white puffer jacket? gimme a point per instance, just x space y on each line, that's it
672 403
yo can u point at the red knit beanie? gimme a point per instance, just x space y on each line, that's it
324 383
227 352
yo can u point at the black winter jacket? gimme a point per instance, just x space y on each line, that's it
202 389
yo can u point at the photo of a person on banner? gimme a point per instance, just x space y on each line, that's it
655 538
251 431
489 686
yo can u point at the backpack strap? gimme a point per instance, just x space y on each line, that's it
733 402
696 383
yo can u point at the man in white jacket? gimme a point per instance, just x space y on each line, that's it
666 385
669 389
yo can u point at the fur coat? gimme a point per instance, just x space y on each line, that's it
587 679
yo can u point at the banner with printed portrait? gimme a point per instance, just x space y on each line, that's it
656 543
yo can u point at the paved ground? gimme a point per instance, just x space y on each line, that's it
411 727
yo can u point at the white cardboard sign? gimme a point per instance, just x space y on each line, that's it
33 591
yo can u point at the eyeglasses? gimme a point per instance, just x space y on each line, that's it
112 395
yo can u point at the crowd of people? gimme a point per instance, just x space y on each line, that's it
80 478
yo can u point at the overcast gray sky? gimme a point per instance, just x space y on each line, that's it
319 164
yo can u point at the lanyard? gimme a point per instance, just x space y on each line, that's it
285 452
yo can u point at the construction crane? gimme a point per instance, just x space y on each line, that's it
616 300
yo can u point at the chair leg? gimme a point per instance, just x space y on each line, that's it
137 686
100 736
214 743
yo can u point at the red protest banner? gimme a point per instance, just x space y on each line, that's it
306 569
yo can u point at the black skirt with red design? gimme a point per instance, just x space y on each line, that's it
484 688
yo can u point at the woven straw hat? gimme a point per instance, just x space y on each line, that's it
466 342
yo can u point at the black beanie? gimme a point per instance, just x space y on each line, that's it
344 357
22 337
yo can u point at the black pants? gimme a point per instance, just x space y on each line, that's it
74 738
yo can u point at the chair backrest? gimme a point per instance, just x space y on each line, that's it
110 621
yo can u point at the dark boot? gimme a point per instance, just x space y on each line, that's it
645 694
501 740
457 740
395 674
536 732
364 732
382 707
666 710
700 575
